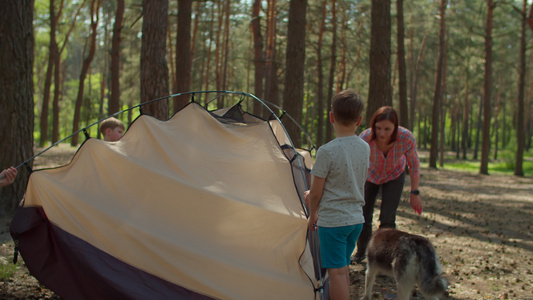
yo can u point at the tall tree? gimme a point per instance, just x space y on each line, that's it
293 94
521 126
154 69
114 97
95 7
183 54
259 71
437 96
487 91
52 57
320 80
16 98
271 66
402 69
414 85
58 80
466 109
380 88
333 63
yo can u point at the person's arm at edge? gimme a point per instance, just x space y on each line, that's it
8 176
313 197
414 172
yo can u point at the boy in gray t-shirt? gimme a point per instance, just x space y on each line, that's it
336 196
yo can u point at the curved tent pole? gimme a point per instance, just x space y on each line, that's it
220 93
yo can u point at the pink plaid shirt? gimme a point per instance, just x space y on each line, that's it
383 169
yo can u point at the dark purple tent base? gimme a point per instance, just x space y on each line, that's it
74 269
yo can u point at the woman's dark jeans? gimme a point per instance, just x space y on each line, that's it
391 194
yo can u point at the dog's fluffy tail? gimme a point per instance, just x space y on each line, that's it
431 281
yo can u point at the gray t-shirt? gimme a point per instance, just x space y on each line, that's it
343 162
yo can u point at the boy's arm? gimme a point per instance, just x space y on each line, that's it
313 198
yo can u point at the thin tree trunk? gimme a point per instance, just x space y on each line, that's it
443 109
95 7
114 97
59 80
52 57
259 70
437 97
466 110
333 63
226 43
208 70
487 91
271 89
199 7
402 69
478 131
520 127
183 54
320 75
414 86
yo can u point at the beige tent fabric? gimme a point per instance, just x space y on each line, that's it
208 206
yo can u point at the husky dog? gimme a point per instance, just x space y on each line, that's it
409 258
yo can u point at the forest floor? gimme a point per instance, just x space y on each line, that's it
480 226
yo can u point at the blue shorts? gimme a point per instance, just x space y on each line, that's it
337 245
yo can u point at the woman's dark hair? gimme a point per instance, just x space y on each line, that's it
385 113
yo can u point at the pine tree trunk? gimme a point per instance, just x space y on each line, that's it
437 96
95 7
520 127
16 98
259 73
271 68
154 69
114 97
402 69
52 57
380 89
320 84
183 54
332 68
414 85
487 91
466 111
295 61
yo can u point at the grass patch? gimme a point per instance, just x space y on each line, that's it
504 165
7 270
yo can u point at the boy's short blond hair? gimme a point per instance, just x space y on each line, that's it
111 123
347 107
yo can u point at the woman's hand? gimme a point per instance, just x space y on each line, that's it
416 204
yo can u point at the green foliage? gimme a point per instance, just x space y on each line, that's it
505 165
7 270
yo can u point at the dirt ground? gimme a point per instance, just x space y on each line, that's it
480 226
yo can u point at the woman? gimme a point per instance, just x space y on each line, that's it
391 148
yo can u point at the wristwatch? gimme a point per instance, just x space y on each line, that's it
415 192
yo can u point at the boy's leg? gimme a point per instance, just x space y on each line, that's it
371 192
339 283
351 240
391 194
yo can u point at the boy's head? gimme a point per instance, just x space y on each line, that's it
347 107
112 129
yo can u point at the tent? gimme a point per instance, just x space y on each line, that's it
205 205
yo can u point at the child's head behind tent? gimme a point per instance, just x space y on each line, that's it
112 129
